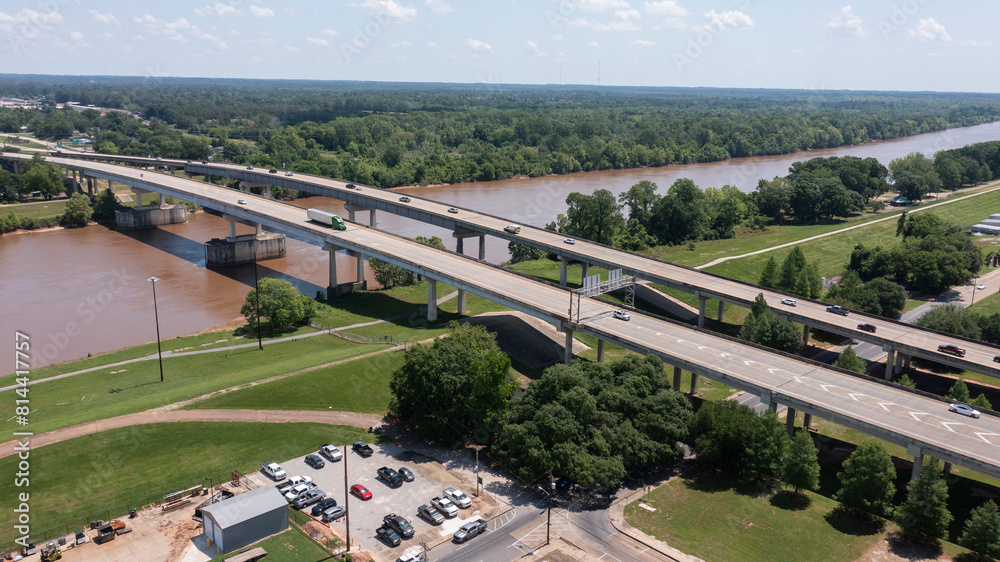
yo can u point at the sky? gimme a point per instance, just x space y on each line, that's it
810 44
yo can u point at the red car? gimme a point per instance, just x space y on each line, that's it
867 327
361 492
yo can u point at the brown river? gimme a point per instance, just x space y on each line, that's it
84 290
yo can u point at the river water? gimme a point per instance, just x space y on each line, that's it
84 290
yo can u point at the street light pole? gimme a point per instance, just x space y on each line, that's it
548 521
256 292
156 316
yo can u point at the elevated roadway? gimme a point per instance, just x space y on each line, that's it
901 341
915 420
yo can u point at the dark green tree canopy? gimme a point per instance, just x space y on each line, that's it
801 468
867 482
924 516
766 328
281 305
78 211
732 438
981 532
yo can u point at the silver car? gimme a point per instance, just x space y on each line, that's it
964 409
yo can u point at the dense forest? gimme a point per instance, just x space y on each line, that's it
388 134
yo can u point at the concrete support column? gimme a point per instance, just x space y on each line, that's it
722 310
898 363
889 360
773 406
569 347
807 420
461 302
694 383
805 335
600 351
267 191
946 469
208 178
482 247
677 379
563 262
906 361
359 260
330 289
164 202
460 245
257 228
586 272
232 229
701 311
350 215
918 460
432 300
371 219
790 422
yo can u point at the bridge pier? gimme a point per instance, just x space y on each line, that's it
462 309
677 379
807 421
149 217
563 262
351 208
694 383
461 233
701 309
918 460
790 422
898 364
805 335
600 351
568 353
482 247
586 271
244 249
432 300
331 251
906 361
773 406
889 360
722 310
946 469
335 289
359 264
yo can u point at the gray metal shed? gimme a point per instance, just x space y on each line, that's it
245 519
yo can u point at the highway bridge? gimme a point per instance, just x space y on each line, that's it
901 341
918 421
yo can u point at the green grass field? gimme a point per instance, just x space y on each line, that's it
41 210
290 546
103 475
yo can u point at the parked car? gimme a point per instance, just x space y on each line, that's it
334 513
789 302
273 470
323 505
459 497
964 409
569 241
469 530
513 228
361 492
951 350
399 524
621 315
331 453
453 210
404 199
406 473
445 506
315 461
362 448
837 309
867 328
430 514
296 480
412 556
295 491
390 476
308 498
388 536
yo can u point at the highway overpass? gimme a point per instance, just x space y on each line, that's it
901 341
918 421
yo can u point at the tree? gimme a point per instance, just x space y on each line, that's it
435 241
595 217
388 275
801 463
774 198
42 176
281 305
891 296
521 252
105 205
850 361
981 532
906 381
640 199
981 402
769 276
681 215
791 268
867 481
951 319
454 389
924 516
913 176
958 391
766 328
78 211
733 438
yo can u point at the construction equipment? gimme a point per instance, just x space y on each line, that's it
51 552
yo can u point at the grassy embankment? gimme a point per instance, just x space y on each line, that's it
103 475
292 545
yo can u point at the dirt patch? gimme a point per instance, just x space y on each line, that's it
180 534
532 342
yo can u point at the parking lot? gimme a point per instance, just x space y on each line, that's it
365 516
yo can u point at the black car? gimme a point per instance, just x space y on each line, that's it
390 476
308 498
469 530
406 473
349 186
362 448
388 536
323 505
399 524
272 171
314 461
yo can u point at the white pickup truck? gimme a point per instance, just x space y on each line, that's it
273 470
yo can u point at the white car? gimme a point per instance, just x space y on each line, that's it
242 201
621 315
445 506
273 470
288 174
981 287
296 480
569 241
331 453
964 410
459 497
789 302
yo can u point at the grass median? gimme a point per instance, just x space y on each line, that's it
102 475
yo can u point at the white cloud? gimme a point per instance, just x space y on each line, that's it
593 44
477 45
621 25
438 6
433 45
329 32
936 55
641 43
402 44
28 24
138 38
628 14
172 30
292 49
929 30
258 12
732 20
601 5
667 8
389 10
532 49
318 41
846 23
558 37
221 10
106 19
76 36
974 43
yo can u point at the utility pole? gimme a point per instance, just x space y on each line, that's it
548 521
256 292
156 316
347 498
